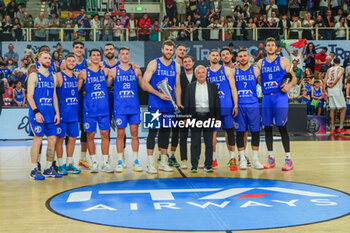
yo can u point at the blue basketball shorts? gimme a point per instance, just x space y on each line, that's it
274 109
68 128
90 123
227 122
41 129
122 120
248 116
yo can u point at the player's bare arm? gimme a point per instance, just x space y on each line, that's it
139 77
285 63
151 68
81 79
32 82
55 103
230 74
257 75
178 86
111 76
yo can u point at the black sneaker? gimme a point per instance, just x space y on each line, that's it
194 170
55 166
39 166
172 162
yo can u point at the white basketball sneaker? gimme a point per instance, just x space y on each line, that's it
106 167
243 165
119 167
163 165
183 164
257 165
137 166
151 169
94 168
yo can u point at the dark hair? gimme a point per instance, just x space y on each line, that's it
225 49
188 56
336 60
213 51
70 55
17 81
123 48
231 44
109 44
94 50
78 42
313 48
169 43
179 45
242 50
2 64
325 48
44 48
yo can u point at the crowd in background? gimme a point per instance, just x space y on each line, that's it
183 21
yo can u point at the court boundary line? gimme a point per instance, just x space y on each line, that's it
48 206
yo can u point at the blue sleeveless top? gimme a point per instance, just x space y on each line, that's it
96 94
68 97
317 93
246 86
110 67
162 72
220 79
82 66
19 95
125 92
43 97
272 76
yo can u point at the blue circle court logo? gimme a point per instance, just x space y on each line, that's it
201 204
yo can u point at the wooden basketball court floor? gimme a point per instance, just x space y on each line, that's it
22 201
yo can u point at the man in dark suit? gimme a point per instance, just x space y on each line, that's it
203 104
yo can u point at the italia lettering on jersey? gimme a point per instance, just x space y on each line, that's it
220 79
96 94
162 72
126 99
246 86
43 97
19 95
68 98
272 76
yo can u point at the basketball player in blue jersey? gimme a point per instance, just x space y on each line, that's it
68 101
248 109
180 53
126 106
96 109
81 64
44 115
19 95
223 77
159 104
274 105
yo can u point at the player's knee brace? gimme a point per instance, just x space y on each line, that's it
231 136
151 139
255 138
240 139
163 139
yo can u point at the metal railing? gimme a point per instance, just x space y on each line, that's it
178 33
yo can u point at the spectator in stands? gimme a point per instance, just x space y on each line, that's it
54 22
294 7
310 5
2 10
282 7
5 72
21 72
283 24
18 95
317 94
131 24
107 24
303 98
293 94
192 29
319 23
123 18
250 26
320 59
254 9
81 33
7 27
68 22
7 96
216 8
183 34
54 7
170 8
295 26
96 24
145 25
245 12
118 30
86 24
181 10
192 7
203 11
19 13
299 73
40 23
325 67
340 33
346 66
17 28
240 25
307 24
323 7
296 56
215 29
260 53
26 21
11 8
271 7
156 28
335 6
11 54
329 22
339 14
263 23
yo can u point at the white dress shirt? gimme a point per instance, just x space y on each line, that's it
202 99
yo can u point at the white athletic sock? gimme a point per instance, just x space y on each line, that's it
163 159
60 161
232 155
120 156
82 155
214 155
150 160
241 155
135 155
34 165
69 160
288 156
93 158
271 154
48 164
105 159
255 155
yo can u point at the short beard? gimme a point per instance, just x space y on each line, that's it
110 57
214 62
69 68
168 59
45 66
243 64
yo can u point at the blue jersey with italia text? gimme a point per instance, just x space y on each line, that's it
272 76
246 86
68 98
19 96
220 79
96 94
162 72
43 97
82 66
125 92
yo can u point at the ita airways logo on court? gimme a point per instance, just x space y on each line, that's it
201 204
152 120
